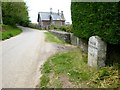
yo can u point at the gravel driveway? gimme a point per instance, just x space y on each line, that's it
22 57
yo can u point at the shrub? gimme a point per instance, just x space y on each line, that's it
66 28
56 27
63 28
34 25
101 19
69 28
52 26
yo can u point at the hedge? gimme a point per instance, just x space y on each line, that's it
93 18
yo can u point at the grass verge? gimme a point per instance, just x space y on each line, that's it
70 69
9 31
52 38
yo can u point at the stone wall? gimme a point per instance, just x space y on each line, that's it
106 54
83 44
63 35
72 39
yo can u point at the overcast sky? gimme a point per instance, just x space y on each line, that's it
35 6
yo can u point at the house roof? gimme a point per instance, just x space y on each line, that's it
55 16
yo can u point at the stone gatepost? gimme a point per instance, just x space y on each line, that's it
96 52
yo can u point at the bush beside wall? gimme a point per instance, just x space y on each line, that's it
93 18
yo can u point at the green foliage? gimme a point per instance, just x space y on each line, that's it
92 18
56 27
63 28
79 76
103 72
52 38
44 81
52 26
8 31
69 64
67 28
34 25
47 68
106 77
73 65
15 13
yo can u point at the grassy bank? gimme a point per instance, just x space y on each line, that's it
9 31
52 38
70 69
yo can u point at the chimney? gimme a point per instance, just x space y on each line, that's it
58 12
50 10
61 13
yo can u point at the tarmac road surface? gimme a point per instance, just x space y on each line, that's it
22 57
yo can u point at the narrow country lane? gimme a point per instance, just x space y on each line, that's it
22 56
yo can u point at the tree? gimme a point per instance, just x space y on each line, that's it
15 13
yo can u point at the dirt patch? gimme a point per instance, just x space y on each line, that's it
65 82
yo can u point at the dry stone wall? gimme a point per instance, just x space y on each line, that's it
63 35
72 39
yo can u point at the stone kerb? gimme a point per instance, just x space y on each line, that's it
96 52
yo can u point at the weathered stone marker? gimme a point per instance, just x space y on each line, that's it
96 52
